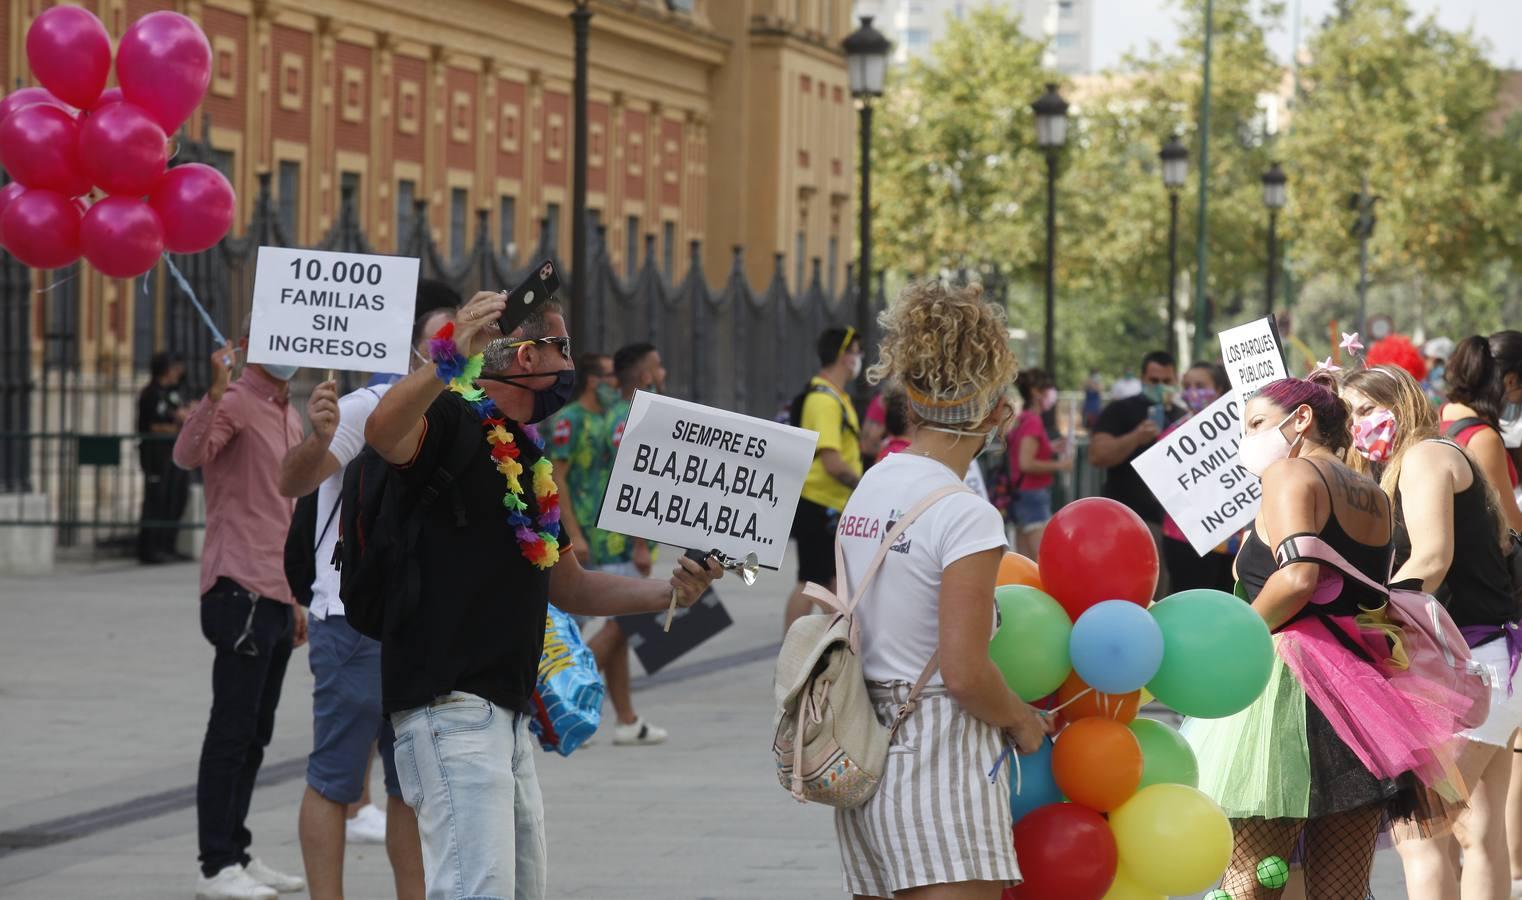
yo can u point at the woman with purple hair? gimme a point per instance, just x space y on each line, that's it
1313 762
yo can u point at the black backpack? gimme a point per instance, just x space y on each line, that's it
301 543
376 555
795 409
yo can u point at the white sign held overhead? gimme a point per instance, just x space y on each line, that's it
1253 355
1194 473
324 310
707 479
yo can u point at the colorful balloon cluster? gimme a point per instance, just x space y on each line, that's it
1111 811
73 134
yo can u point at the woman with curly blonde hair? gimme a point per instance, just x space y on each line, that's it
936 828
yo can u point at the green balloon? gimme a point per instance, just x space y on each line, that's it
1166 757
1031 645
1217 654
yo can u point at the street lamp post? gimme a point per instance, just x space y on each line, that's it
581 22
867 66
1051 134
1275 193
1175 157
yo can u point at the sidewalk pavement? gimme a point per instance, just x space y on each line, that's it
104 692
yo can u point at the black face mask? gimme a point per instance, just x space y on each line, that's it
547 401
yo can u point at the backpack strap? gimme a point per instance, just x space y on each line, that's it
329 523
848 608
1300 547
1459 426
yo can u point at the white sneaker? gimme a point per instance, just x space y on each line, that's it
638 732
263 874
1516 888
367 827
233 883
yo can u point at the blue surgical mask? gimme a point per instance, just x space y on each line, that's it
280 373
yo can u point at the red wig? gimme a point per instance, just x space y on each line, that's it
1397 350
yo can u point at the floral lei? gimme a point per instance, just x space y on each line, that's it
538 539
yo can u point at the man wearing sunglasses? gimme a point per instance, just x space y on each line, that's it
458 673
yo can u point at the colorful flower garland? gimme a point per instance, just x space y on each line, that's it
538 539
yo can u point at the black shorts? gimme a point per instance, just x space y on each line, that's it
814 527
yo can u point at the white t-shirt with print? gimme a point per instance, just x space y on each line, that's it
900 615
354 410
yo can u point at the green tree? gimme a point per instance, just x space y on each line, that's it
1409 105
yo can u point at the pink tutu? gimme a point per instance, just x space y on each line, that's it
1395 720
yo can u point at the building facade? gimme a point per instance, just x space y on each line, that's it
914 26
727 122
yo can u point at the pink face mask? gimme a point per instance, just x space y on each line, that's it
1374 435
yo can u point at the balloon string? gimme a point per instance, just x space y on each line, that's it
189 292
1009 753
1070 701
59 281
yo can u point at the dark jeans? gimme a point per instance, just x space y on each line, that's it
166 489
252 653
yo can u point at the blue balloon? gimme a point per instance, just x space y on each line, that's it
1116 647
1037 785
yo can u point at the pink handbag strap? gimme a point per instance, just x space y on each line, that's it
1308 546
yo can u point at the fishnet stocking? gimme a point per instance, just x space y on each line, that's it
1339 852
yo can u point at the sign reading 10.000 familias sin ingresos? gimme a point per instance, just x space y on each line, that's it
328 310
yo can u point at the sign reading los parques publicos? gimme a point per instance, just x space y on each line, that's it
701 478
326 310
1254 356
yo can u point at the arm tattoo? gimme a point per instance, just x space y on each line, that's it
1358 493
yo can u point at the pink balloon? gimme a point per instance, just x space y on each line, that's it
122 150
70 53
30 96
164 65
196 204
41 228
107 97
39 146
10 192
121 237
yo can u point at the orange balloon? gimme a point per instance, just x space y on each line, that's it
1017 569
1121 708
1097 763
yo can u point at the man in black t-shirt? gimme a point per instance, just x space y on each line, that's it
166 487
457 678
1126 429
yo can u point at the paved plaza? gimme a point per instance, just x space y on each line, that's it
104 692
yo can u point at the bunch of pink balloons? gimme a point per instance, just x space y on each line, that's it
73 135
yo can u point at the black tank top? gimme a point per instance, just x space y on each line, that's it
1255 563
1477 588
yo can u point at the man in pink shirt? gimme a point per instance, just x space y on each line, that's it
237 435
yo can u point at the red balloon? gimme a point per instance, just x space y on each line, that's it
1065 851
70 53
41 228
121 237
107 97
1095 550
196 204
122 150
164 65
30 96
10 192
39 146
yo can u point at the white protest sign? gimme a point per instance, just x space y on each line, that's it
326 310
707 479
1194 473
1253 356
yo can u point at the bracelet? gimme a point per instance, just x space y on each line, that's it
454 368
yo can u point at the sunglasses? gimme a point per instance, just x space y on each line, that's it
564 343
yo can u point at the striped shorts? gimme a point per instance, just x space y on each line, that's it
936 818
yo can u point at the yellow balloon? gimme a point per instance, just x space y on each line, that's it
1126 888
1146 696
1173 839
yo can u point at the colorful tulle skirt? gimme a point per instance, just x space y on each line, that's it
1331 732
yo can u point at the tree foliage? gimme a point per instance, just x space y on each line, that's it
960 183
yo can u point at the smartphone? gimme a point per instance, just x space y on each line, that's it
1158 415
533 293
